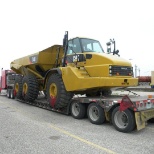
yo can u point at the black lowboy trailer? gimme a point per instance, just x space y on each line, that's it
126 113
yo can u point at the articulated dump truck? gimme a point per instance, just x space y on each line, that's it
80 67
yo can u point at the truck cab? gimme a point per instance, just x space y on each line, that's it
99 69
7 80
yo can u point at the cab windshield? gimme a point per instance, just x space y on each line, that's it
90 45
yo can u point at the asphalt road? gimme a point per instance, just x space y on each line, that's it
25 129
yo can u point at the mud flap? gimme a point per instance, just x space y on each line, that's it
142 117
139 123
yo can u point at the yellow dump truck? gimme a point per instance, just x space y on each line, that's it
80 66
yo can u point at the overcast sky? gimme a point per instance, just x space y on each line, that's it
29 26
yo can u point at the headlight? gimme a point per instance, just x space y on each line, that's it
110 67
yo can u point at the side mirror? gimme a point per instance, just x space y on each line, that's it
108 47
108 50
108 43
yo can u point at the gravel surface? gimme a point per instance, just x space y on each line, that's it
25 129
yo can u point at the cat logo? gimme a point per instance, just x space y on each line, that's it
33 59
75 58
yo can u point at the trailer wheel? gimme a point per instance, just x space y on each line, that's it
18 86
96 114
8 93
11 94
123 121
57 95
30 88
78 110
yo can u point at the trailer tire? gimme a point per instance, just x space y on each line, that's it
18 86
8 93
11 94
96 114
78 110
123 121
30 88
57 95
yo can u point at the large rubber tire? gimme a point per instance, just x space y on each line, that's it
30 88
96 114
18 87
123 121
57 95
78 110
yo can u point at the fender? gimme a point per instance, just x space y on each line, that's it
49 72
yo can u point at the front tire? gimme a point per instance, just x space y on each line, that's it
78 110
123 121
96 114
57 95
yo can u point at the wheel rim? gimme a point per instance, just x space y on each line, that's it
16 87
121 119
25 88
53 90
94 113
75 109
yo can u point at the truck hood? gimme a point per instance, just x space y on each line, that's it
103 58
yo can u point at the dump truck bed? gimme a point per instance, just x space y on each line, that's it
39 61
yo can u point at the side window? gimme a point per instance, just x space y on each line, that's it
74 46
70 46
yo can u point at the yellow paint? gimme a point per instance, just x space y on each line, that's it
53 90
82 140
25 88
16 87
